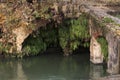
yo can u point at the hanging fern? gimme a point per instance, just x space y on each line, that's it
74 32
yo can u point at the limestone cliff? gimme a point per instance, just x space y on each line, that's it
18 20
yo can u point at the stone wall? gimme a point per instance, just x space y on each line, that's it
103 24
18 19
96 55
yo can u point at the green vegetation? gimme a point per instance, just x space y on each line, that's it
4 48
118 15
108 20
73 33
39 41
34 45
104 47
70 34
117 25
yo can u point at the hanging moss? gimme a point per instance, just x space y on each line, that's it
104 47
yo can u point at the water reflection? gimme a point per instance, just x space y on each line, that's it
50 67
97 71
20 73
11 70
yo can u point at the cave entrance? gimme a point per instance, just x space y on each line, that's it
69 35
58 51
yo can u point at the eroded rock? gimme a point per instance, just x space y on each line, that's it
96 55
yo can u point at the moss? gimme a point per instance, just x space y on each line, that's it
108 20
104 47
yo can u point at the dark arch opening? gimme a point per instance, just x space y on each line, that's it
69 35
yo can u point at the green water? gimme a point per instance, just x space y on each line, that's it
51 66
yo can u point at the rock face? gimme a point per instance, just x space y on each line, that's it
102 25
18 19
15 27
114 54
96 55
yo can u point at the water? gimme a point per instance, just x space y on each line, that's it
51 67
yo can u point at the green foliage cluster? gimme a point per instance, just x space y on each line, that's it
74 32
34 45
49 35
108 20
4 48
104 47
39 41
70 34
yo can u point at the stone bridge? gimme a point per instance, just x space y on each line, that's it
17 19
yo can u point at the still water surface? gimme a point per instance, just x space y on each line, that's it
51 66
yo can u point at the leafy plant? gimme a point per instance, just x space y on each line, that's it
74 32
39 41
104 46
34 45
